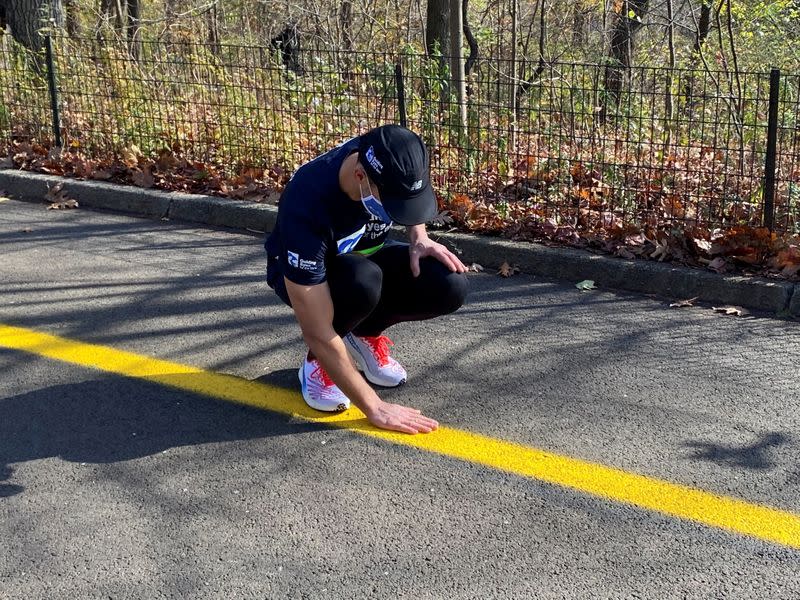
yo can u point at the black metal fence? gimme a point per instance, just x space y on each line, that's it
556 143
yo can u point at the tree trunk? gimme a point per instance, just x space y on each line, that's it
579 36
701 35
213 17
133 29
437 27
346 23
626 24
471 41
26 18
457 64
71 19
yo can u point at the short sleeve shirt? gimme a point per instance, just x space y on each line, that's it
318 221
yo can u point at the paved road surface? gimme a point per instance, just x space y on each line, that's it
111 486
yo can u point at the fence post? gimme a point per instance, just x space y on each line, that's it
51 82
401 93
772 149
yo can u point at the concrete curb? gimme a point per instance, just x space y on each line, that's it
782 298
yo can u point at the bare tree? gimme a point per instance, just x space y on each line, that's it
26 19
626 23
212 20
132 26
71 22
437 27
457 63
471 41
702 31
346 23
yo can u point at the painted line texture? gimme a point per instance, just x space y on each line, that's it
731 514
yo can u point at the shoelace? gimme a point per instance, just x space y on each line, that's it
322 375
380 348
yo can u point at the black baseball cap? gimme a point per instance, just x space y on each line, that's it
397 161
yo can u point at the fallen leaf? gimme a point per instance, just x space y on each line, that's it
702 245
130 155
790 271
728 310
507 270
63 205
144 178
166 160
683 303
623 252
476 268
718 264
100 174
7 163
54 193
585 285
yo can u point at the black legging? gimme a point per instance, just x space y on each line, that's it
372 293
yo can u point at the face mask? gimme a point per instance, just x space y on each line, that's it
374 206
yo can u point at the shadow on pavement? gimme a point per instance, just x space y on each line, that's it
752 456
117 419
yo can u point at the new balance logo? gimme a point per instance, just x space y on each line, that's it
417 185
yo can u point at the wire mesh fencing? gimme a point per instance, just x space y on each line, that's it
584 145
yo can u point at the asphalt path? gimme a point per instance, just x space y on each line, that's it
115 487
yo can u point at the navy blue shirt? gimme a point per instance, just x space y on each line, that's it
318 221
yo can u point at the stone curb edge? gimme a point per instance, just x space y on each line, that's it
781 298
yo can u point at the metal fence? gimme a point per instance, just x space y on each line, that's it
670 148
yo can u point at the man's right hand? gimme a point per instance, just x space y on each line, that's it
400 418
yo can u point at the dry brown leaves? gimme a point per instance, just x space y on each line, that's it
507 270
58 199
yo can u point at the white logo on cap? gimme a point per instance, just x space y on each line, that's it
373 160
417 185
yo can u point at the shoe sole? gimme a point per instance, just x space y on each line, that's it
304 390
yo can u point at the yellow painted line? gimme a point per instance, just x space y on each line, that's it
766 523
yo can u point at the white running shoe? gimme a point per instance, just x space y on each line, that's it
372 357
319 391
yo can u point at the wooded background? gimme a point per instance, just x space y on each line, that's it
743 34
656 128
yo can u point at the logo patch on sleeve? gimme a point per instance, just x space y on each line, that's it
301 263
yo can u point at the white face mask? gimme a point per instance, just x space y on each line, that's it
373 206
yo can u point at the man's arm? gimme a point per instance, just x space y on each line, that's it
422 245
313 308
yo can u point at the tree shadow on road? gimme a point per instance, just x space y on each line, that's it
751 456
116 419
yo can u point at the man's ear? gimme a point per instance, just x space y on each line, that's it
360 173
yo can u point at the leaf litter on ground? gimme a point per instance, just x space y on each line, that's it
58 198
729 310
684 303
507 270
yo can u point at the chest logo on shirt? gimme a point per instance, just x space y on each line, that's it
346 244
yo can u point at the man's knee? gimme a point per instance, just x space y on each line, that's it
448 288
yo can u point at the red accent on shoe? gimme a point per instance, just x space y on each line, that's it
321 374
380 348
